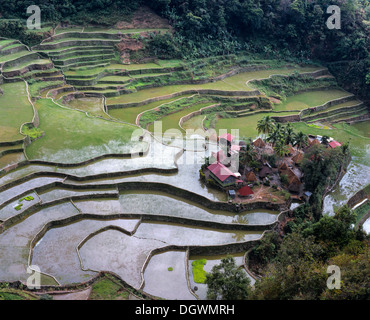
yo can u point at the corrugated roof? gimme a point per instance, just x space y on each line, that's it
245 191
334 144
220 171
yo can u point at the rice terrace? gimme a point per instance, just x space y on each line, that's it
129 171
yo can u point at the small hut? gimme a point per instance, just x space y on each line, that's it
259 143
265 171
251 177
245 191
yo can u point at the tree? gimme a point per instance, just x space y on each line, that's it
281 149
300 140
325 140
289 134
265 125
227 282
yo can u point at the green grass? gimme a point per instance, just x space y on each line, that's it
94 106
106 289
198 272
35 87
310 99
32 132
167 110
233 83
28 63
172 121
130 114
13 56
246 125
15 110
71 136
362 128
194 123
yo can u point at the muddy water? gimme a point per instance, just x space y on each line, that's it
15 242
10 211
28 185
56 252
186 178
59 193
159 156
355 179
161 282
24 171
11 159
117 252
181 235
157 203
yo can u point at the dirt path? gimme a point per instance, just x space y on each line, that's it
80 295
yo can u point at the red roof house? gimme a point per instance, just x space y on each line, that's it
334 144
222 174
227 136
245 191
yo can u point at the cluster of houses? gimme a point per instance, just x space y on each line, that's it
238 183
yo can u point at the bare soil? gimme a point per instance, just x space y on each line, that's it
144 18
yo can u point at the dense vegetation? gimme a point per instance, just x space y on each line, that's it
272 28
295 266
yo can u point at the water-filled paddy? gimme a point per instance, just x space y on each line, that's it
115 251
310 99
94 106
355 179
211 261
71 136
363 128
178 234
15 241
162 282
56 253
11 158
158 203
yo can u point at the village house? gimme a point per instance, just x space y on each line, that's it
222 175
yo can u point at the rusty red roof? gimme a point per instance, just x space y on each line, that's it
245 191
334 144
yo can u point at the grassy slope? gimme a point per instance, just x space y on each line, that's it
310 99
233 83
15 110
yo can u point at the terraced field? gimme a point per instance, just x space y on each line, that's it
86 187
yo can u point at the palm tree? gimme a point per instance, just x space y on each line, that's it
345 148
248 154
265 125
300 140
281 149
289 134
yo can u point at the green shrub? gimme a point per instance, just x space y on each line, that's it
198 272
